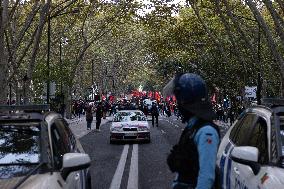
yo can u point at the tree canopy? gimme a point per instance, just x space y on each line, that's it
120 45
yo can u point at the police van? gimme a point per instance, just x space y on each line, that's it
251 154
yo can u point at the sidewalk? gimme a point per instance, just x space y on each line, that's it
79 126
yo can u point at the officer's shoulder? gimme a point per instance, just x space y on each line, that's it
207 128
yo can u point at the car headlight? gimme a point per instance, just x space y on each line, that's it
143 128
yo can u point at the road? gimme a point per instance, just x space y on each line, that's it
133 165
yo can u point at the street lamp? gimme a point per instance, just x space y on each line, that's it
25 79
10 93
93 97
49 17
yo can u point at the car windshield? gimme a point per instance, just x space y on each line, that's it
19 148
129 116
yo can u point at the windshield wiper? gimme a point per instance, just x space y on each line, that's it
28 175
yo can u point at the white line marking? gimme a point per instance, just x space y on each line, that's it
163 132
133 173
116 180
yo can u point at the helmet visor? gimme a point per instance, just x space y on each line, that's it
168 90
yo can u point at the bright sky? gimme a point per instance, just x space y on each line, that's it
147 2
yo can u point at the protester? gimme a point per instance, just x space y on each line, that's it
194 157
168 110
99 115
89 117
154 113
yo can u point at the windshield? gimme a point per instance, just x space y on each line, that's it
19 148
129 116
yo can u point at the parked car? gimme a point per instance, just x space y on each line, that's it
251 154
38 150
129 125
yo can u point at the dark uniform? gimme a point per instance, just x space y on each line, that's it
155 114
194 157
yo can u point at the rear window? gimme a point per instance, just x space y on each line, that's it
19 148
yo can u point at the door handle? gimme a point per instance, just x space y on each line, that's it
236 170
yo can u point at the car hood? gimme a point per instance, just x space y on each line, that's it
42 181
130 124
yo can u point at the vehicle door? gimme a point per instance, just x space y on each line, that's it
238 135
256 137
62 143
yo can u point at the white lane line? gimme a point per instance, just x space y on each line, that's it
133 173
116 180
163 132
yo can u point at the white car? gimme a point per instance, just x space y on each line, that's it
129 125
39 151
251 154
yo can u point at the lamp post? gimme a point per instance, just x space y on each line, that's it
10 93
25 79
49 17
48 58
93 97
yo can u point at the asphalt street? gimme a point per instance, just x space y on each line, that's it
131 165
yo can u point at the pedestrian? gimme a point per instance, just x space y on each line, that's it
104 109
168 110
145 109
154 113
194 157
62 109
231 115
99 115
89 117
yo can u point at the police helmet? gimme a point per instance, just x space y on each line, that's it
191 93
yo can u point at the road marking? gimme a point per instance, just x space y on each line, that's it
163 132
116 180
133 173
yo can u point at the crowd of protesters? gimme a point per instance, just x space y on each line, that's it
227 113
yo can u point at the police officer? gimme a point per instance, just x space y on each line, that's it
194 157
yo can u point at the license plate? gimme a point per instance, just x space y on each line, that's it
130 134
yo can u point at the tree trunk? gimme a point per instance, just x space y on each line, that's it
231 38
239 29
278 21
209 32
281 4
272 45
32 62
68 102
3 54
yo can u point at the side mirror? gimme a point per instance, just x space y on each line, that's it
74 162
246 155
